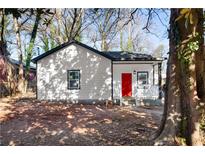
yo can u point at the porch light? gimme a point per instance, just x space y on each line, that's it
134 72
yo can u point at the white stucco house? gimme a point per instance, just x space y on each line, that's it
74 71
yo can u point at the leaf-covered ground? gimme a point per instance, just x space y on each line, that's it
27 121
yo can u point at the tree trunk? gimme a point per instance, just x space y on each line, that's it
2 25
31 45
200 58
188 74
194 102
7 76
169 127
104 42
59 21
129 40
77 24
121 40
186 125
21 80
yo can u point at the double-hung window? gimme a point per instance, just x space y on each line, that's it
142 78
73 77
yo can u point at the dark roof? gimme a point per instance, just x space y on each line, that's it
130 56
112 55
16 62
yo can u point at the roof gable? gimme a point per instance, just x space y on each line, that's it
68 44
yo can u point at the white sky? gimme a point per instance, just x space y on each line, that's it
103 3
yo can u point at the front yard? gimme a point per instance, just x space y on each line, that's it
27 121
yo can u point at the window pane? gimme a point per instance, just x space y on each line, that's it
144 82
74 83
73 79
74 75
142 78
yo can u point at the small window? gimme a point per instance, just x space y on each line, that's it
73 79
142 78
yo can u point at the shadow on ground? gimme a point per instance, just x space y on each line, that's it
27 121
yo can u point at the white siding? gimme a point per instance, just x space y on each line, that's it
151 91
95 82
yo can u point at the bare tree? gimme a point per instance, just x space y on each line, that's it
38 13
59 21
18 13
106 25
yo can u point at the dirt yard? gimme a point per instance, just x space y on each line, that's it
26 121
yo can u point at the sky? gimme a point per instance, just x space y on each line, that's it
156 36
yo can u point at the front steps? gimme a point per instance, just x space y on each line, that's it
131 101
128 101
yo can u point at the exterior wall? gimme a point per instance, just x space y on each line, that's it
146 91
95 81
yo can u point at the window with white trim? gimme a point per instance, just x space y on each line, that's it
142 78
73 79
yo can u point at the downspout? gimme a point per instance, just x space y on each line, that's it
153 74
112 80
36 80
160 79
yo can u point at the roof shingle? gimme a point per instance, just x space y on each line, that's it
129 56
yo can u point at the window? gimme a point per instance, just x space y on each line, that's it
142 78
73 79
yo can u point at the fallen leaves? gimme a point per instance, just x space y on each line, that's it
31 122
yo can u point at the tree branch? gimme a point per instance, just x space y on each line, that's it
148 20
131 18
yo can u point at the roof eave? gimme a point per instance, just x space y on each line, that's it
65 45
137 60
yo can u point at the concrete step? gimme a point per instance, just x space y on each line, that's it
128 101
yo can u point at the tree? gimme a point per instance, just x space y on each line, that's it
65 25
7 76
21 87
38 13
74 22
59 21
181 119
158 52
137 36
121 41
17 13
200 60
47 34
130 40
106 24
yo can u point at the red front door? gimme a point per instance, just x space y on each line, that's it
126 84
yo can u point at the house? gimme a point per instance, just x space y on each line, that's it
74 71
16 64
32 72
10 68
